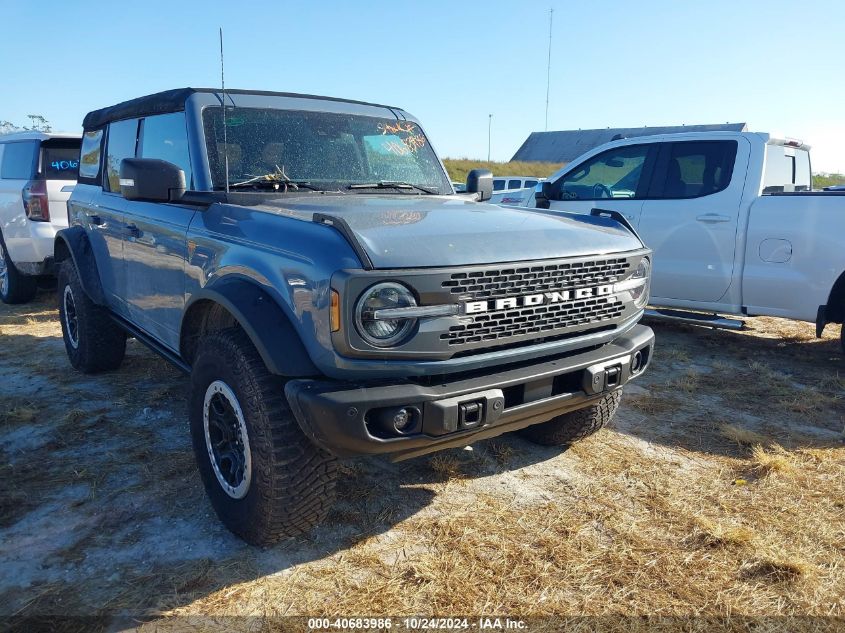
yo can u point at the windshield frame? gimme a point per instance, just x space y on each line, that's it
435 172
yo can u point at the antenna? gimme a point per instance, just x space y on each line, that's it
223 88
549 68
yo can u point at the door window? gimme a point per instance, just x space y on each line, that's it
165 137
19 160
514 184
698 168
123 137
530 184
498 184
615 173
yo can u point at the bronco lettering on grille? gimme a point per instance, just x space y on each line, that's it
541 298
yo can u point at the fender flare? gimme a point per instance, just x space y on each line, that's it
73 243
264 322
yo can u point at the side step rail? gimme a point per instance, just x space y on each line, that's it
695 318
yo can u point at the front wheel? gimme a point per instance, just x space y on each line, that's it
571 427
264 478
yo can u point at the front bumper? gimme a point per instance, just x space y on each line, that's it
350 419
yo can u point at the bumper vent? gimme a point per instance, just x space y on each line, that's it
506 282
548 320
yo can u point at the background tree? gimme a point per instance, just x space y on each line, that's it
37 123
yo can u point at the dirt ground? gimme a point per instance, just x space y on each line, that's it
717 492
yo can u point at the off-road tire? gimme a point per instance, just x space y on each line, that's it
571 427
292 483
15 287
100 342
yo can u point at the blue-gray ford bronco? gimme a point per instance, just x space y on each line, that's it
308 262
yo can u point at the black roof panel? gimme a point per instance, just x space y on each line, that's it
174 101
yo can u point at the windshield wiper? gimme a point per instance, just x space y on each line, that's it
274 180
269 183
391 184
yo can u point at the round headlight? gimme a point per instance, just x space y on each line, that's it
640 292
374 327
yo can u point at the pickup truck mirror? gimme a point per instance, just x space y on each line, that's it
151 179
542 194
480 181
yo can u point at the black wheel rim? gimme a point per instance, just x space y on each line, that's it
226 440
71 317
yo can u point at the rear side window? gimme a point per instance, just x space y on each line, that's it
530 183
498 184
122 140
19 160
59 160
165 137
514 184
89 156
699 168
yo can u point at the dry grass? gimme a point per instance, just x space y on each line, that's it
720 494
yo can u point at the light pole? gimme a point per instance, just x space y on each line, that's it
489 134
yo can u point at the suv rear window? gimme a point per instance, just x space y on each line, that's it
18 160
59 160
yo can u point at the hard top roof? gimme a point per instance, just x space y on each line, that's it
174 101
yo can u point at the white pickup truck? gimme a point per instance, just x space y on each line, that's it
731 217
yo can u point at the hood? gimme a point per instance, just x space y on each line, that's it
405 231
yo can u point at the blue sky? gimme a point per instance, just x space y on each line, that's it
774 64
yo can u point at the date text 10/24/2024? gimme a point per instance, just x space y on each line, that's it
416 623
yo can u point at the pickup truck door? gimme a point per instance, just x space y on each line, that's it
615 180
691 216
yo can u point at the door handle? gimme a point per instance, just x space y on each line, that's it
712 218
133 231
96 220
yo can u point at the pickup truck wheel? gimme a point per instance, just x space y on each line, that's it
265 479
14 287
568 428
94 342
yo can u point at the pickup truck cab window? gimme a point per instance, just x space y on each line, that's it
121 143
616 173
331 151
694 169
165 137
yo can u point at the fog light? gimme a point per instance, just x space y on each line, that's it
394 421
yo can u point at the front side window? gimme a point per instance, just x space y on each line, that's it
324 150
89 156
615 173
165 137
122 139
699 168
530 184
19 160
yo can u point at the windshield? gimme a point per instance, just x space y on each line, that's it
328 150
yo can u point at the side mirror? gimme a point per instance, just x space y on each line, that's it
480 181
151 179
542 194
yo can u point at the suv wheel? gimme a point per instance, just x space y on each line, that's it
14 287
570 427
94 342
264 478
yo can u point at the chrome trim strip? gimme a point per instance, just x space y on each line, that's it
417 312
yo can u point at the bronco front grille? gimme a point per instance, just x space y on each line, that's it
505 282
547 319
